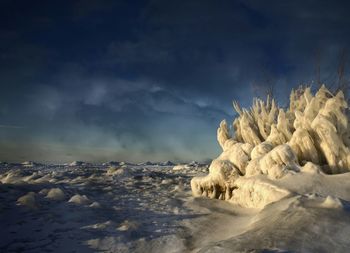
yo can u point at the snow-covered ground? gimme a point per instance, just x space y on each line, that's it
135 208
88 208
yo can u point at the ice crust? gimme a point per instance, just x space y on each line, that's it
312 135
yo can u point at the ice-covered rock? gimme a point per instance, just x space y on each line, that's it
311 136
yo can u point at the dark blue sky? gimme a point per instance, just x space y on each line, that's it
151 80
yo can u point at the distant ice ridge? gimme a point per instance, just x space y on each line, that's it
272 143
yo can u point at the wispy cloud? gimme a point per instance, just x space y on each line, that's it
12 126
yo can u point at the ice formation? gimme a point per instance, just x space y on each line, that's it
311 135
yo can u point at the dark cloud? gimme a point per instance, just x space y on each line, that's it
151 80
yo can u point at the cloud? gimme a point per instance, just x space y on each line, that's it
105 80
111 119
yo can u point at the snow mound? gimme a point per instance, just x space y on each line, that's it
79 199
28 200
55 194
312 136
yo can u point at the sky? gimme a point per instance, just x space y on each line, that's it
99 80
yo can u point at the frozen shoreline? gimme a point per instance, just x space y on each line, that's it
150 209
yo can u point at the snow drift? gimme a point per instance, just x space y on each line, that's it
271 143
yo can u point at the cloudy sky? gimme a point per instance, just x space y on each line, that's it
151 80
